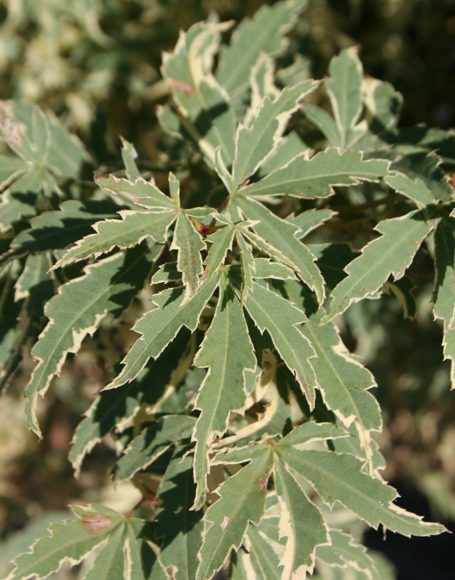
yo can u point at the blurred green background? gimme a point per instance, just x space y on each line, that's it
96 63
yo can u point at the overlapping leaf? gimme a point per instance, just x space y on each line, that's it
179 529
264 33
76 311
281 320
390 254
123 551
200 99
256 141
444 294
241 501
159 326
278 238
315 177
223 389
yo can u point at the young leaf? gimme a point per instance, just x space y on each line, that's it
301 523
278 239
255 142
281 320
241 501
315 177
264 33
158 327
228 354
76 311
390 254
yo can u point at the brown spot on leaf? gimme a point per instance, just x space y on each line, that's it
96 522
10 128
263 482
183 87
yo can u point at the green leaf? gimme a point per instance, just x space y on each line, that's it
35 273
228 354
151 443
112 409
76 312
45 147
278 239
220 243
316 177
122 544
281 320
390 254
288 147
255 142
130 230
301 523
266 269
53 230
179 529
141 561
344 89
189 244
15 206
198 96
419 177
311 431
141 192
158 327
264 33
10 169
444 296
383 104
344 553
70 541
311 219
45 141
343 382
109 562
262 84
340 478
129 156
241 501
324 122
